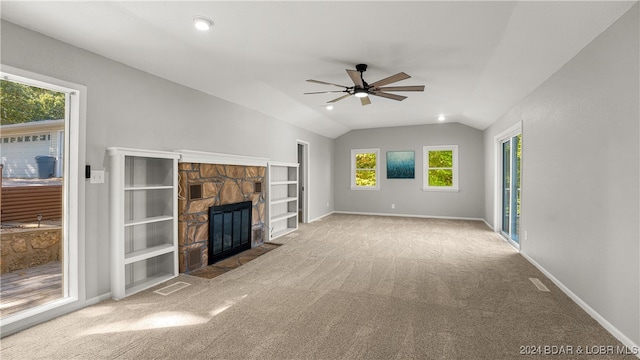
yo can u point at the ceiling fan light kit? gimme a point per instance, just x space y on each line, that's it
361 89
360 93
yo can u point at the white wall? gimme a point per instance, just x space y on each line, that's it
580 176
130 108
407 194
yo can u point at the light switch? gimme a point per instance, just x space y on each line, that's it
97 177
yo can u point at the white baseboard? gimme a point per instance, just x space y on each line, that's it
489 225
98 299
321 217
588 309
409 215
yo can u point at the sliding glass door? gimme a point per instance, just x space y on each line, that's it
511 158
39 144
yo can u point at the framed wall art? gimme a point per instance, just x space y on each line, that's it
401 164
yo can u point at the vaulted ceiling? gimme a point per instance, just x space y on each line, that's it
476 59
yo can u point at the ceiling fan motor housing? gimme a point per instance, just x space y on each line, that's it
361 67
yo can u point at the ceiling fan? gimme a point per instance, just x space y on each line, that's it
362 89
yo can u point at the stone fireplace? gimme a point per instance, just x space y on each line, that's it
205 185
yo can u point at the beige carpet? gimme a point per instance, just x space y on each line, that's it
346 287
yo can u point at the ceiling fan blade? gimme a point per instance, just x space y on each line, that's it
326 83
355 77
323 92
365 100
389 96
402 88
390 79
340 98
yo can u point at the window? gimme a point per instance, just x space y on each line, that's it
365 169
440 168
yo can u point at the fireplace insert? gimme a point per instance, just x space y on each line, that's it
229 230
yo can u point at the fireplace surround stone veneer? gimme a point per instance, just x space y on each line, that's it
217 184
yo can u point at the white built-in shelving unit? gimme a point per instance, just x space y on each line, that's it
283 198
143 219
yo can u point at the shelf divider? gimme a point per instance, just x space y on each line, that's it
147 253
148 220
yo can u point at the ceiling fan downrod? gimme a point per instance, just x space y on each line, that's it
361 68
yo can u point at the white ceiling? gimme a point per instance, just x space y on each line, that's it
476 59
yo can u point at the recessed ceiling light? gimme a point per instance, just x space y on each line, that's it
202 23
329 107
441 118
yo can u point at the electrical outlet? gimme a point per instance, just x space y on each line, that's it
525 234
393 206
97 177
327 204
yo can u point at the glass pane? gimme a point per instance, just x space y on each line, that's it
33 208
226 232
441 158
366 161
440 177
516 149
217 234
245 226
237 227
365 178
506 185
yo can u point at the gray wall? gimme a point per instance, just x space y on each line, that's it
130 108
580 194
407 194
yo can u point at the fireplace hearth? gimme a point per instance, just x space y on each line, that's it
229 230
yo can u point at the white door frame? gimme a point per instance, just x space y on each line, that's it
73 202
497 202
305 178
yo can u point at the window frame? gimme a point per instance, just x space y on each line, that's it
354 152
73 201
425 168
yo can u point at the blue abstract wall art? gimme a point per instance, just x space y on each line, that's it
401 165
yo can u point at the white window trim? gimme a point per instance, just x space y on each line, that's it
353 169
425 168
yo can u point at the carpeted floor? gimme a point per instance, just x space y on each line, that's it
345 287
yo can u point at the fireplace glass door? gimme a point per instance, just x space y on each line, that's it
229 230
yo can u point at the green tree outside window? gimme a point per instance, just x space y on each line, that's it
21 103
366 167
440 171
440 168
